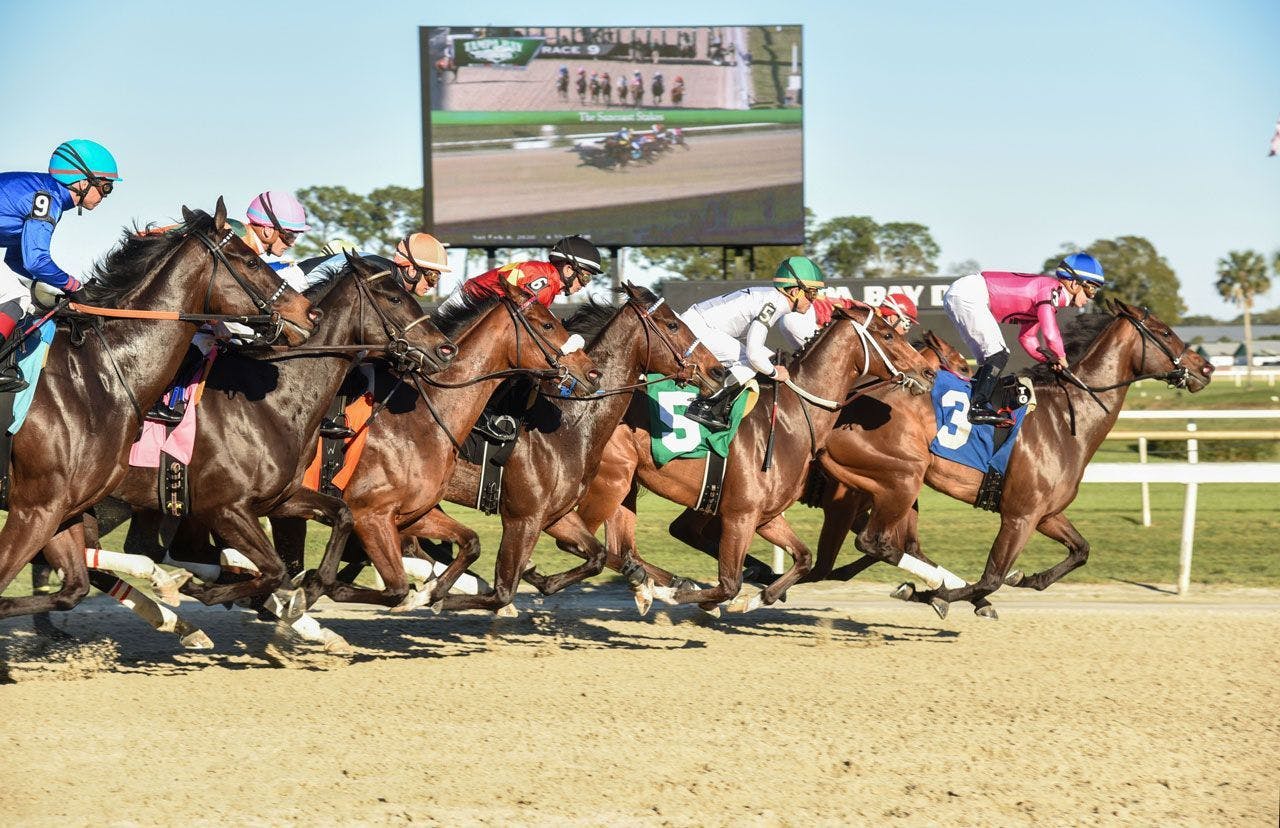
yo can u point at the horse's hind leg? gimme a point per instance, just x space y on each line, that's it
242 531
779 532
1012 538
291 517
289 535
518 540
438 524
841 505
1059 528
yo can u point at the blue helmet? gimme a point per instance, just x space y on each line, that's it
81 158
1081 267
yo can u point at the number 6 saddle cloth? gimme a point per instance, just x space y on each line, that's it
982 447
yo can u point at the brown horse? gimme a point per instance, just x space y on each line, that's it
881 445
554 460
73 449
260 419
412 449
1109 353
752 501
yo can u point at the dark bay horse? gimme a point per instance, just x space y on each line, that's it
260 420
554 460
753 500
73 449
411 450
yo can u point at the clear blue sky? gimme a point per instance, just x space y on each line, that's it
1007 128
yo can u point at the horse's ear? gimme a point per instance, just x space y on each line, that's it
187 215
220 215
931 338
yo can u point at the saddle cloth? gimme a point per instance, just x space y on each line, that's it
180 441
976 446
674 436
358 412
31 356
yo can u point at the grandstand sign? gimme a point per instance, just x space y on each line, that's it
496 51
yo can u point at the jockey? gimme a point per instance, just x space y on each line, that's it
418 261
81 174
563 70
979 302
573 261
275 220
899 311
734 327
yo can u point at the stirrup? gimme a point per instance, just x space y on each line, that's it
12 383
335 430
709 419
986 415
162 413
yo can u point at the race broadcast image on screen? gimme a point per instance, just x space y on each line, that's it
629 136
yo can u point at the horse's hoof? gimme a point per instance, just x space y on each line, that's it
335 644
1015 578
168 585
939 606
196 640
986 611
507 611
415 598
710 609
904 592
746 602
643 595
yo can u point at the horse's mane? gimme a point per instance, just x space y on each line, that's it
455 319
138 252
1077 335
590 318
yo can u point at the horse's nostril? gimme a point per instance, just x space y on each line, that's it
315 314
717 373
593 375
446 351
929 373
1207 369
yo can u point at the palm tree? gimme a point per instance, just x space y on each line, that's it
1242 275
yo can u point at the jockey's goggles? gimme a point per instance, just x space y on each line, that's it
104 185
1090 288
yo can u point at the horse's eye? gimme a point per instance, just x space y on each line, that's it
395 300
546 326
673 326
254 263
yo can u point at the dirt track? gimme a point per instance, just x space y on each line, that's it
492 184
1085 705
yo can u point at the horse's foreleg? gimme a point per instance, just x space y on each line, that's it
160 618
242 531
23 534
1059 528
841 505
779 532
1012 538
735 539
571 533
377 533
289 535
518 539
437 524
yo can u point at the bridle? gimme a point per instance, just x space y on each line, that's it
869 344
685 370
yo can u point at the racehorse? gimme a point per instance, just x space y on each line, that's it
554 460
622 91
880 447
411 450
1110 351
677 93
606 89
581 86
637 92
657 89
277 403
562 86
73 449
752 500
595 88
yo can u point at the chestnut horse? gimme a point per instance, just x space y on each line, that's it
411 450
559 454
753 501
260 419
1109 352
73 449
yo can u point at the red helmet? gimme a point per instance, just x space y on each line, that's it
900 304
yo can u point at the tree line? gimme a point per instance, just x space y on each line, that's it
846 247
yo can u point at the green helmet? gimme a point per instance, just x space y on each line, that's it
797 271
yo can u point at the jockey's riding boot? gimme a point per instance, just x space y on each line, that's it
161 412
984 385
713 411
11 379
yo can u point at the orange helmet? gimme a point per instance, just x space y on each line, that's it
422 250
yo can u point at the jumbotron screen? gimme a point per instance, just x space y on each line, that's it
686 135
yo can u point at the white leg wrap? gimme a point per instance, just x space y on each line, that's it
951 580
205 572
418 569
139 566
160 617
925 572
236 558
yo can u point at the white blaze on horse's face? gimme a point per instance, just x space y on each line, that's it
572 344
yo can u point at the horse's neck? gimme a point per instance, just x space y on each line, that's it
149 352
306 385
828 366
618 354
483 348
1109 360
